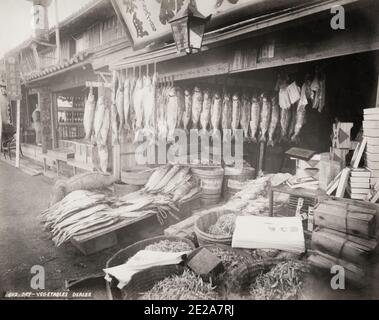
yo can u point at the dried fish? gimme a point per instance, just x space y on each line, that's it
99 116
206 110
187 109
245 114
172 113
255 117
265 117
300 121
236 113
274 120
216 112
89 114
197 104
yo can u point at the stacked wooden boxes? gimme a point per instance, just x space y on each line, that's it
359 184
371 134
345 236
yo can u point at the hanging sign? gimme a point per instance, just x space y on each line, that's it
40 22
13 80
148 20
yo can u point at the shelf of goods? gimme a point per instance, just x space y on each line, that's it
70 120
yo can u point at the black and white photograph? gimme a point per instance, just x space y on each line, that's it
210 153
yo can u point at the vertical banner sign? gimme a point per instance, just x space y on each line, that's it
12 71
40 24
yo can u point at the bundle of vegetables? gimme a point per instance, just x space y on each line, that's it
187 286
169 246
224 225
283 282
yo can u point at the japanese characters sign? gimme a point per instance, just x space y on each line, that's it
12 70
148 20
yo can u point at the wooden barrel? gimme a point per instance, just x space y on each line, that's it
211 180
231 173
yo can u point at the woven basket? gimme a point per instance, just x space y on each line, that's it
245 275
202 225
143 280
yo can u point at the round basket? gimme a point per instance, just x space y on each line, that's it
202 225
137 176
146 279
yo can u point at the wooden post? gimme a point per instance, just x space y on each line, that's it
261 152
18 132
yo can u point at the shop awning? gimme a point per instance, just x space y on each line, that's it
231 33
77 61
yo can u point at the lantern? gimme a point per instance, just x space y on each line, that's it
188 27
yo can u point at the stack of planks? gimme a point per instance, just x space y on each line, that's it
345 236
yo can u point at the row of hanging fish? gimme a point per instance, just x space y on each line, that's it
144 108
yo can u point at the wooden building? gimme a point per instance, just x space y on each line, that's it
89 40
258 40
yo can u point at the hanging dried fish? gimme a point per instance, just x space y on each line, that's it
138 97
127 103
89 114
120 104
245 114
99 116
197 105
181 107
274 120
216 112
187 108
265 116
285 118
236 113
103 134
255 117
206 110
172 113
226 120
148 103
300 121
115 124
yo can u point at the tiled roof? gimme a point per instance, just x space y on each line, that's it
77 59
